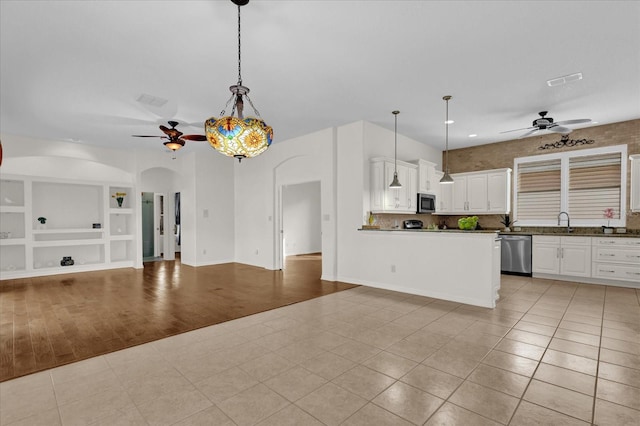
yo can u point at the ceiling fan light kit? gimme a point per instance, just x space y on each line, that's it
239 137
547 123
175 138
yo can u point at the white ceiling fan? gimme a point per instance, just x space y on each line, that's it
547 123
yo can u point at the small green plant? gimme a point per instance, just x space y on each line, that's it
506 220
42 220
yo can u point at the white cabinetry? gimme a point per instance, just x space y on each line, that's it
635 182
83 221
427 178
617 259
569 256
479 193
392 200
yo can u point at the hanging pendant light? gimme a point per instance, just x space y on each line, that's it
239 137
395 183
446 178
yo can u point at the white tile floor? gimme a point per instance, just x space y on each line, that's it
551 353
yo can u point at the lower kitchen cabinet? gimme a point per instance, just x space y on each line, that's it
569 256
616 258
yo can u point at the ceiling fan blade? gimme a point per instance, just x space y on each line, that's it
146 136
173 133
194 137
519 130
577 121
529 133
559 129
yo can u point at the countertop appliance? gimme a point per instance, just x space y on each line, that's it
426 203
516 254
412 224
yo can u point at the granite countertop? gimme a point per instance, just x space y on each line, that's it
559 233
451 230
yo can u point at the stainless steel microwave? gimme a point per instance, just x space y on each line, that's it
426 203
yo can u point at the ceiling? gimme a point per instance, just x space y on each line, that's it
73 70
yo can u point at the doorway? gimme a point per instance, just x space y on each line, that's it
153 226
300 218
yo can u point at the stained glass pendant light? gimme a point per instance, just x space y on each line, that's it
395 183
237 136
446 178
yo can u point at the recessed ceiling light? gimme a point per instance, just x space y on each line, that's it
449 122
472 135
558 81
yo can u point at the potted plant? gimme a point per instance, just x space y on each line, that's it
608 214
43 222
119 196
506 221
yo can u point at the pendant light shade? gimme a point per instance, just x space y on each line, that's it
239 137
446 178
395 183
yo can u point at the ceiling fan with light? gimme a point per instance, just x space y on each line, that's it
175 138
547 123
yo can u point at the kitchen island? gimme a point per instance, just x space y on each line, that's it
455 265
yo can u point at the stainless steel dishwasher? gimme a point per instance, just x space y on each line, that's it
516 254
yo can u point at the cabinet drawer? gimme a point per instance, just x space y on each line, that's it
617 272
576 241
613 254
621 242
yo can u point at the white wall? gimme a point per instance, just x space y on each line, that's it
258 182
356 144
301 218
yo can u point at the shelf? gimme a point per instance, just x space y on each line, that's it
13 241
120 211
66 231
71 207
67 243
121 237
12 209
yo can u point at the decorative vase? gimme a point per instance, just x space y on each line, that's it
119 200
372 218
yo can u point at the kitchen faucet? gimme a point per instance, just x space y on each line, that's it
568 221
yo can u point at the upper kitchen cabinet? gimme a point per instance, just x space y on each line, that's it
635 182
427 181
393 200
485 192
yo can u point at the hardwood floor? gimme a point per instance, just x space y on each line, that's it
50 321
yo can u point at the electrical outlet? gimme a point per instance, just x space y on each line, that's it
204 251
393 268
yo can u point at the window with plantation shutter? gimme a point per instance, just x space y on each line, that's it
582 183
539 186
594 186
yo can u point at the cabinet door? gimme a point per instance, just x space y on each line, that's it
635 183
546 258
575 260
376 188
427 183
392 196
477 193
444 203
402 193
498 192
412 193
460 194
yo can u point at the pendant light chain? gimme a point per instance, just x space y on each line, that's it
239 51
395 143
446 135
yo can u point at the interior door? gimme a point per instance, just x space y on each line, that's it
147 225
